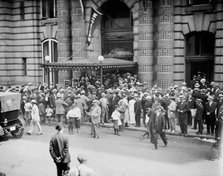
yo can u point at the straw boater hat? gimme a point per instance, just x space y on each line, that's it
210 98
197 85
34 101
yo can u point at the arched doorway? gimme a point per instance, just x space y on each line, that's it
117 30
200 55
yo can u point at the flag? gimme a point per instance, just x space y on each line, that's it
82 6
95 17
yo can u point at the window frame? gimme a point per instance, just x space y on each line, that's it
47 9
49 54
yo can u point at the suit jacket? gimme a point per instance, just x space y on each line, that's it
184 108
211 109
137 107
60 106
199 112
59 147
160 123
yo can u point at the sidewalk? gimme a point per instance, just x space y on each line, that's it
191 132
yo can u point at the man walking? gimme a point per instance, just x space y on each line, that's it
59 151
182 109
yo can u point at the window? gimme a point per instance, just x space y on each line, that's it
49 48
49 8
200 44
22 10
24 66
198 2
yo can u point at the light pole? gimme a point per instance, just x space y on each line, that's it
101 59
47 60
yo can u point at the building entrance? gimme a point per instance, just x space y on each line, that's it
205 67
199 55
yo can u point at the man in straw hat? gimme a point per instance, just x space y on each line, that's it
59 150
95 114
35 118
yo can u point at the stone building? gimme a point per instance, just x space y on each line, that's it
169 40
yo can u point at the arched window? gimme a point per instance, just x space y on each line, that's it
49 48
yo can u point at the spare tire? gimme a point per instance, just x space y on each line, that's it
19 130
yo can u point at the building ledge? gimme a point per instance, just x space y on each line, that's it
51 21
199 8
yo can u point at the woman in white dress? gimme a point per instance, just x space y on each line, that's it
131 112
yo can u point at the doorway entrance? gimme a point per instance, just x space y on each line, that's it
200 55
204 66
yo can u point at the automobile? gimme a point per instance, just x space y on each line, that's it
10 119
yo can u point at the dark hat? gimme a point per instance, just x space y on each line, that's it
59 127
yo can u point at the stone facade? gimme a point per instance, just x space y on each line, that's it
159 31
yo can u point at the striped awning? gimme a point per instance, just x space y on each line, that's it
108 63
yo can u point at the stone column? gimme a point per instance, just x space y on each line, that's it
165 44
145 42
218 67
64 36
78 34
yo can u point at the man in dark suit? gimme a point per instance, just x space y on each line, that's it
137 109
199 115
210 109
59 151
159 128
182 109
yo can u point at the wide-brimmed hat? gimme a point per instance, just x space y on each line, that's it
34 101
95 101
198 100
197 85
210 98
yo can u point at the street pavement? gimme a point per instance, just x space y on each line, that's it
111 155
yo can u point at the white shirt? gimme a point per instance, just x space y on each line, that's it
74 113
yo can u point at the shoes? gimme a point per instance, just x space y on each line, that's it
39 134
28 133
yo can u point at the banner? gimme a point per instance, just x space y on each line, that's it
94 19
82 6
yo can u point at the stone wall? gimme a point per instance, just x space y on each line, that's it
19 38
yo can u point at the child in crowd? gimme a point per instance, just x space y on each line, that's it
49 114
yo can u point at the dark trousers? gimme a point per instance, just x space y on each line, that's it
200 126
195 123
137 119
61 168
210 121
183 124
163 137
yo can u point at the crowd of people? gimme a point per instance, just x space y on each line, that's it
123 100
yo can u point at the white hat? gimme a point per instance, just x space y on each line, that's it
34 101
58 95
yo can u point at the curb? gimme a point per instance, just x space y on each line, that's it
144 130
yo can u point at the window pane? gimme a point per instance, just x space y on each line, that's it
207 44
191 46
45 50
44 7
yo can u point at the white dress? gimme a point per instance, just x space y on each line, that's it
131 112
